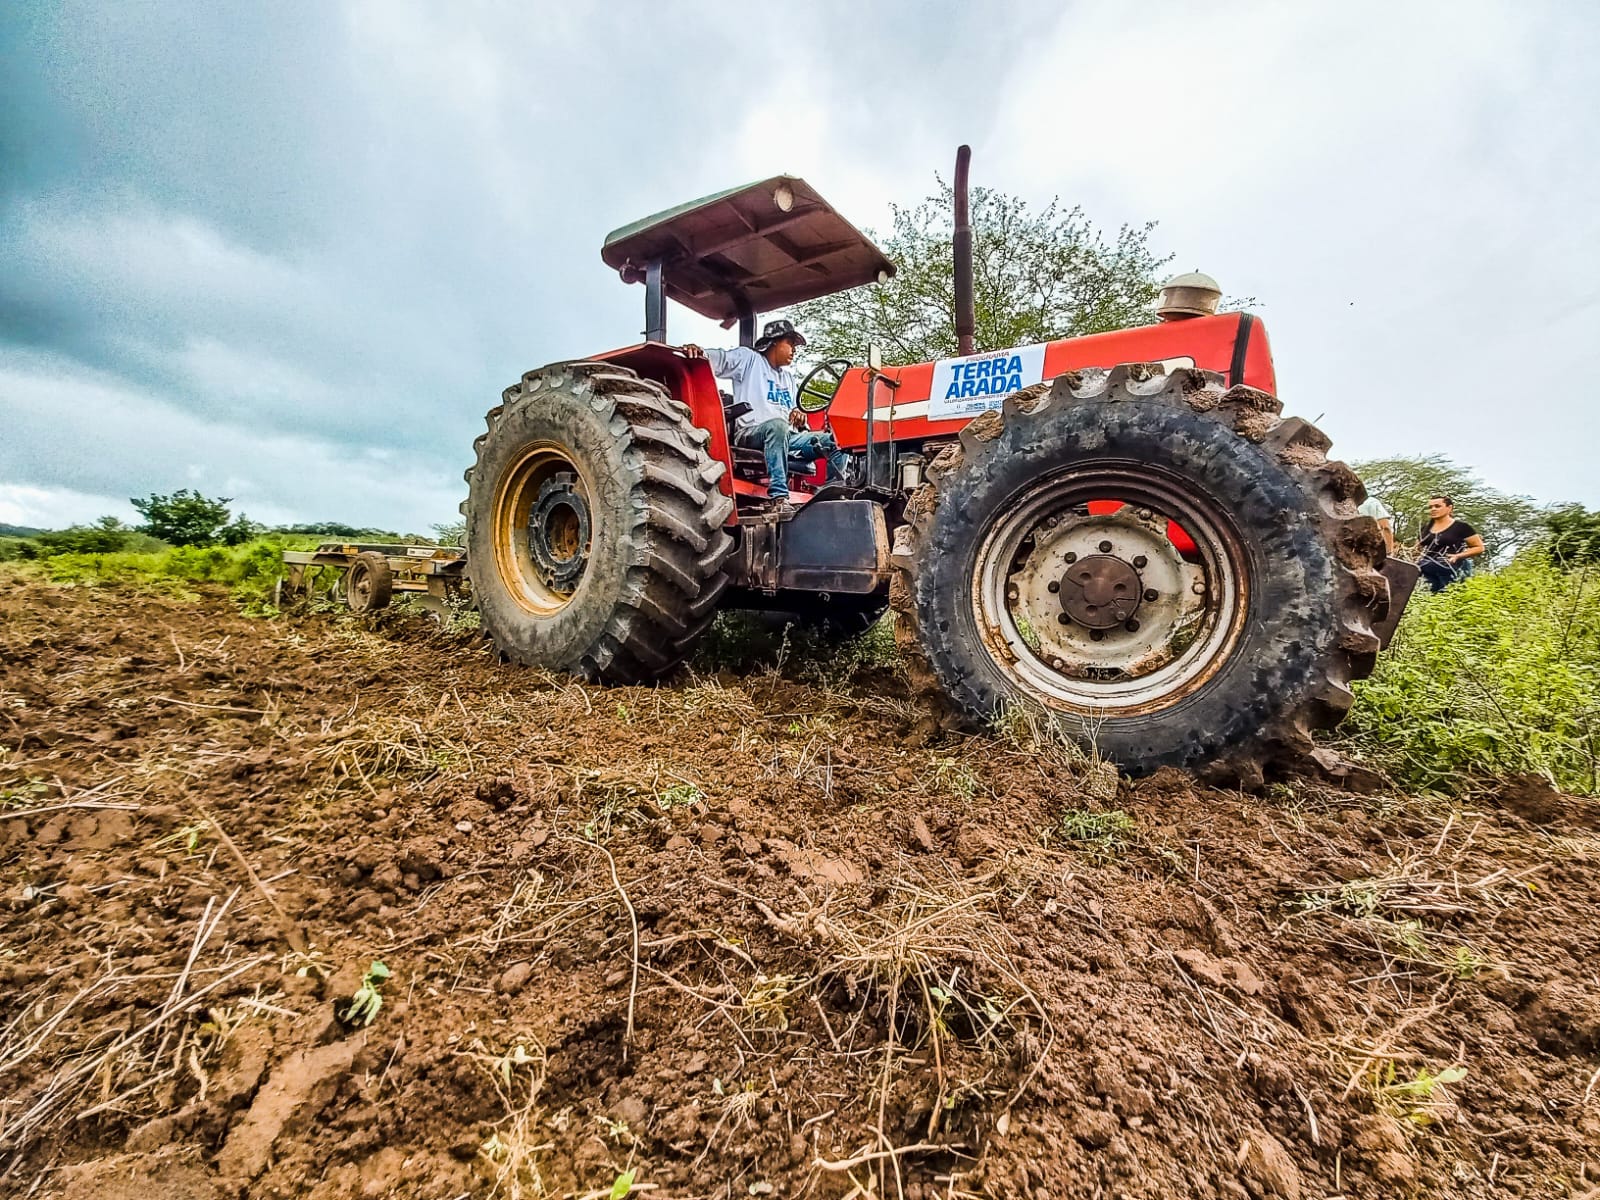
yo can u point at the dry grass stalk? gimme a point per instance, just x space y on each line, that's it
125 1066
917 955
633 925
512 1152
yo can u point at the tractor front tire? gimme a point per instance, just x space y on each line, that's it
595 526
1018 585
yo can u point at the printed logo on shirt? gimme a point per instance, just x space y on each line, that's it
778 395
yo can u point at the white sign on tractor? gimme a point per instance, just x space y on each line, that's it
964 387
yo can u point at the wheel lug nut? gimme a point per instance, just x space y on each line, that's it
1105 547
1054 585
1199 588
1071 557
1151 594
1064 619
1132 625
1139 562
1096 635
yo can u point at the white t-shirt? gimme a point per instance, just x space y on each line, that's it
768 390
1374 508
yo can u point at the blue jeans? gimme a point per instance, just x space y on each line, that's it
788 449
1441 574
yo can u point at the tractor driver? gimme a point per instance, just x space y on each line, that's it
762 379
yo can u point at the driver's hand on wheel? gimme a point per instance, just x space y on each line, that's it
690 350
797 419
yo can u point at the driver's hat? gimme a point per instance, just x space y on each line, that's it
777 331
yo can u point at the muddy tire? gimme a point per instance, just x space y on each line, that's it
595 527
368 582
1013 588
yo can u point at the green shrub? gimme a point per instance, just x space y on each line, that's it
1497 674
106 536
18 549
250 571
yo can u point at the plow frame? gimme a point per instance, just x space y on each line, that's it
433 575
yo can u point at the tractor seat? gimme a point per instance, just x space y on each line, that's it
750 464
747 463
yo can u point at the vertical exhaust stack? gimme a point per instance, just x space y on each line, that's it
962 245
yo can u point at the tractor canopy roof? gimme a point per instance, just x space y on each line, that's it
748 249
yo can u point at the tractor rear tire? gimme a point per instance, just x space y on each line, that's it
1014 589
368 582
595 526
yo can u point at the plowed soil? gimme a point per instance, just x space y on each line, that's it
739 936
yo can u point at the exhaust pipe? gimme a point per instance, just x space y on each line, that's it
966 323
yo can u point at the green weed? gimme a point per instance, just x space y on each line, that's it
619 804
1497 674
766 1001
955 777
24 794
249 571
679 795
749 641
1100 834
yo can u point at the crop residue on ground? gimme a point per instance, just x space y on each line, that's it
740 936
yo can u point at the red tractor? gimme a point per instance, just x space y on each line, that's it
1147 552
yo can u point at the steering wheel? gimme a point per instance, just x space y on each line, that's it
821 383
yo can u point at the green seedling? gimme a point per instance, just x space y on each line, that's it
307 964
364 1005
517 1056
767 1001
624 1184
1417 1100
1466 964
188 837
29 792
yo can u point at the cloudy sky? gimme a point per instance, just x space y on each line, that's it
290 253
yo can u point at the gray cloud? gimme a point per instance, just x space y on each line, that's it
293 253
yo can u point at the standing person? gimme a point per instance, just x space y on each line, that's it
762 379
1379 512
1446 546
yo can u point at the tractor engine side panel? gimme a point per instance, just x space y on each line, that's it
1233 344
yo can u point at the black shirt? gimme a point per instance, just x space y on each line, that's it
1452 539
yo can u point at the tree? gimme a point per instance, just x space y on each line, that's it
1506 522
1572 536
1036 277
185 518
